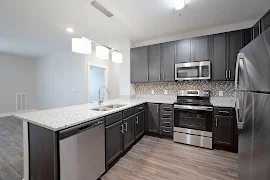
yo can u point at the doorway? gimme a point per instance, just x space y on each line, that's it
96 79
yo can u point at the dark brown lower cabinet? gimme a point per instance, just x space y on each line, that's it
114 141
139 124
129 127
223 130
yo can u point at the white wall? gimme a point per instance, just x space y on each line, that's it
179 36
17 75
62 79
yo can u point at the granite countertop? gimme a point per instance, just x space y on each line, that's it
62 118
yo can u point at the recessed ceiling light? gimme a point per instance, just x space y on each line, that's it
179 4
70 30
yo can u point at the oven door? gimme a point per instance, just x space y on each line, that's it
193 117
192 71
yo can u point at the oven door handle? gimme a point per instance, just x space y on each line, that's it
202 108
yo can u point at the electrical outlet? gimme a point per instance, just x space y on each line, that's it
153 91
220 93
165 91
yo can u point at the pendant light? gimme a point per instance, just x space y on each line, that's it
117 57
81 45
102 52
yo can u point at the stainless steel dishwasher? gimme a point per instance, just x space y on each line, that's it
82 151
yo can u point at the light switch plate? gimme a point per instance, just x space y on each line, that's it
153 91
165 91
220 93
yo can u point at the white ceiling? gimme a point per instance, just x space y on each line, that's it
37 27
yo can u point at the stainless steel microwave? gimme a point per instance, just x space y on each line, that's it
193 71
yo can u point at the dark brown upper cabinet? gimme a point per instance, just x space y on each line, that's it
183 51
200 49
154 63
256 29
224 51
139 65
265 21
167 61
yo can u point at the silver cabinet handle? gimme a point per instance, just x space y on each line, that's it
224 112
166 114
151 130
216 122
157 109
229 74
166 122
122 128
166 131
226 74
137 120
126 127
166 108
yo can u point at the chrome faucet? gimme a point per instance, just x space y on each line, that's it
99 99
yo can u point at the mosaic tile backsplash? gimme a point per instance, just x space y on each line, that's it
226 86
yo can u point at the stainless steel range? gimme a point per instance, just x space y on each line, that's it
193 114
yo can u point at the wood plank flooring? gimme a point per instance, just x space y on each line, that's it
11 149
158 159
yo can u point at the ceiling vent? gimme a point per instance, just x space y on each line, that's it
101 9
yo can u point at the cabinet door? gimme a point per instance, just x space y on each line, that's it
129 128
153 118
223 130
247 36
139 64
167 61
183 51
219 57
114 141
200 49
235 45
256 29
266 22
154 63
139 124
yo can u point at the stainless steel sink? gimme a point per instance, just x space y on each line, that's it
108 107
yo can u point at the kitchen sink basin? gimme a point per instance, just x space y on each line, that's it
108 107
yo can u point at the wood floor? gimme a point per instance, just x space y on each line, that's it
11 149
159 159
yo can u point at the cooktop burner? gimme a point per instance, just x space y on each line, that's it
193 97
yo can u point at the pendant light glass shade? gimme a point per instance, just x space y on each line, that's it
102 52
81 45
117 57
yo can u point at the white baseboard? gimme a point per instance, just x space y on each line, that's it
17 112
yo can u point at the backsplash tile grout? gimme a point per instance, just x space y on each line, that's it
173 87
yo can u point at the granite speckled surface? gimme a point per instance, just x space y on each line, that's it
62 118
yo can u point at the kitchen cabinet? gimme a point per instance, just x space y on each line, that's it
183 51
128 129
200 49
139 124
223 130
154 63
219 56
224 50
234 46
139 65
114 141
247 36
167 61
256 29
153 118
265 21
166 120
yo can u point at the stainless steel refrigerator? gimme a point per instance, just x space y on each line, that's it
252 84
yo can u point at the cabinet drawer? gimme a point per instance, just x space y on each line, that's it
166 122
223 111
166 107
168 131
128 112
166 114
113 118
139 108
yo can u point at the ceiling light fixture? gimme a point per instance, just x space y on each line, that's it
81 45
70 30
102 52
179 4
117 57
